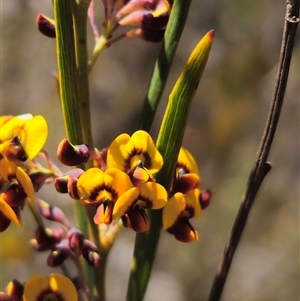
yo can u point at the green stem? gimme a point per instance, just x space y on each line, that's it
68 77
80 32
168 144
163 64
70 58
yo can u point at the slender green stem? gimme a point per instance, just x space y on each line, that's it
80 33
164 61
68 79
36 214
168 144
70 58
100 45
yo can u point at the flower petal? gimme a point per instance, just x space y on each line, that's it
186 182
34 286
34 135
155 194
13 127
172 210
118 152
187 161
25 182
125 202
139 221
103 214
8 211
90 182
192 199
143 142
184 231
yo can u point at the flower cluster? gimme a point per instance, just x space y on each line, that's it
122 185
146 19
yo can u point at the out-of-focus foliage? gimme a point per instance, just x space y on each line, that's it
224 130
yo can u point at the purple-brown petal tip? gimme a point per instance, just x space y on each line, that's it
46 27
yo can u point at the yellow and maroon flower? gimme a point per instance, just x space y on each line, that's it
126 153
102 189
54 287
14 174
177 212
130 205
31 131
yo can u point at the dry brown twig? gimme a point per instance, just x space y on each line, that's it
261 166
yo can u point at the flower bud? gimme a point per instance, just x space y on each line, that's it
154 36
76 239
93 258
146 20
52 213
72 155
47 238
59 254
61 183
90 253
205 198
14 291
46 26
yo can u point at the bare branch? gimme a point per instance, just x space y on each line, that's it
261 166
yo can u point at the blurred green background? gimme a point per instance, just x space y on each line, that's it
224 130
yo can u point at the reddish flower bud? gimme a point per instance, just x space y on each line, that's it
61 183
76 239
72 188
90 253
46 26
47 238
93 258
52 213
147 35
146 20
205 198
59 254
14 290
72 155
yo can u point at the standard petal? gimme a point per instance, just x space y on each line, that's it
118 152
63 285
187 161
34 135
13 127
34 286
90 182
143 142
172 210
